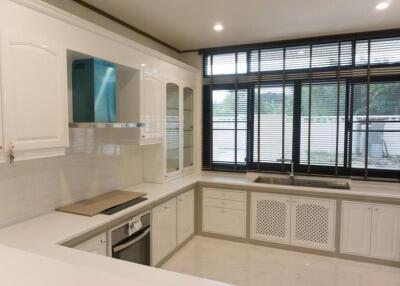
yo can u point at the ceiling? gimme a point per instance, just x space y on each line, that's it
188 24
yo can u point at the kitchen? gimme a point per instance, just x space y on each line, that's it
124 160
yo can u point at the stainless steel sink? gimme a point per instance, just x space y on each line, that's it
313 183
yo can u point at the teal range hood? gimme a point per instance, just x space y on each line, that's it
94 91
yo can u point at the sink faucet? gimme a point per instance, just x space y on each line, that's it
291 174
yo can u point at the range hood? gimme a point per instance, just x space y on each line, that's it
103 94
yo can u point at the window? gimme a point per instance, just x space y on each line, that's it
230 63
322 123
229 126
383 132
383 51
273 123
329 107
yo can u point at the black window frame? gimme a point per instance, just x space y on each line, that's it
257 78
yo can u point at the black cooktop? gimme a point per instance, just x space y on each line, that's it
123 206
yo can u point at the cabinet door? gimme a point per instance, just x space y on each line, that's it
224 221
188 131
163 227
1 125
313 223
97 244
385 240
151 110
34 93
356 228
185 220
172 129
270 218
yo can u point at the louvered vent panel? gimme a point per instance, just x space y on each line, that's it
271 218
312 223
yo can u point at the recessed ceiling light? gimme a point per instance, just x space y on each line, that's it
382 6
218 27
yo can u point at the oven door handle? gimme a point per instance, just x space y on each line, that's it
129 243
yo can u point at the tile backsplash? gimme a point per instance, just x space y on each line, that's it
34 187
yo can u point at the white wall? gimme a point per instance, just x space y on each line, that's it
35 187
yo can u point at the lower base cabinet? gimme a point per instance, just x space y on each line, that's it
224 212
97 244
299 221
185 216
163 230
371 230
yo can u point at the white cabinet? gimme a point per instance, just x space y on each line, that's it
305 222
151 110
97 244
371 230
163 227
185 216
1 129
270 218
313 223
34 91
224 212
356 228
385 238
179 130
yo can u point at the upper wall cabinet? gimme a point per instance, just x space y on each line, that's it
187 127
179 130
33 76
151 110
172 128
1 129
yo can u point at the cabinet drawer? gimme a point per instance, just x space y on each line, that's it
226 204
224 194
224 221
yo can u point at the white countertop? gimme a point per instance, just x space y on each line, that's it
38 239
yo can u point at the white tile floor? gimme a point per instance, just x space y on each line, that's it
250 265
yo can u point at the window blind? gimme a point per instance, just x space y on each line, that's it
330 106
273 123
229 126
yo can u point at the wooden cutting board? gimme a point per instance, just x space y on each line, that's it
93 206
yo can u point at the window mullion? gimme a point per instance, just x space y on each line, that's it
338 107
367 110
309 114
283 109
236 109
258 110
212 124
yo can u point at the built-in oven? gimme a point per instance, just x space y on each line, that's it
131 240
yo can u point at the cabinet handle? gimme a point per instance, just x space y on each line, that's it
11 153
180 200
376 209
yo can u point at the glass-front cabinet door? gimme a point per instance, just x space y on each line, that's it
172 129
187 127
179 128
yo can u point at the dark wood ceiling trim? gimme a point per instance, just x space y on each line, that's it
125 24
